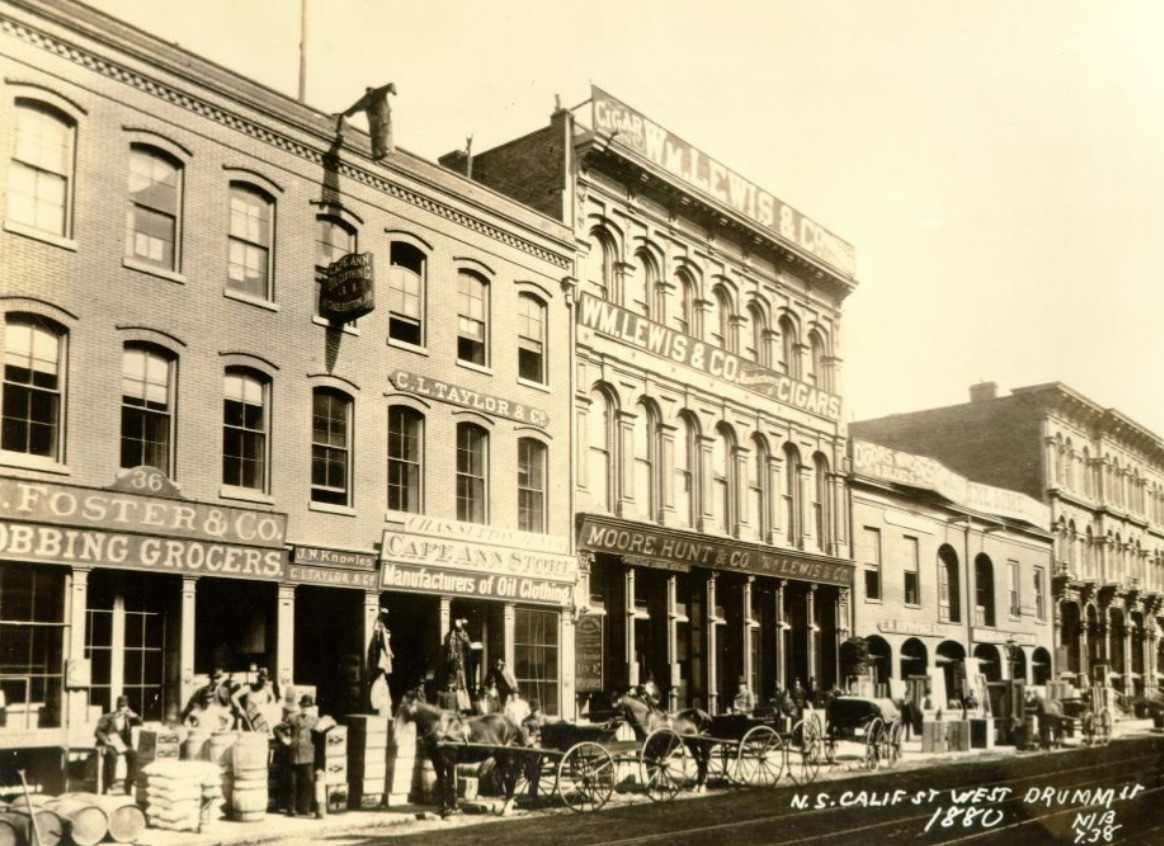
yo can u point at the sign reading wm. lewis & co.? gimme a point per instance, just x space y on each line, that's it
346 291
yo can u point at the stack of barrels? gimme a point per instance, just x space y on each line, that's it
25 819
249 772
218 752
367 760
90 819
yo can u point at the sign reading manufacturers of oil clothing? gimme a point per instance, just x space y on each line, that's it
410 577
425 386
64 524
346 291
626 326
599 534
631 130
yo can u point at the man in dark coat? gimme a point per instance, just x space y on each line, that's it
297 733
114 735
501 677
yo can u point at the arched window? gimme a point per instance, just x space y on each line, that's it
33 406
645 434
600 436
792 497
685 467
758 487
790 348
334 239
822 375
405 459
984 584
1085 473
406 292
949 586
472 318
472 473
821 512
723 479
251 240
600 265
760 350
724 329
41 177
155 205
331 447
147 407
531 485
244 429
531 339
682 318
1069 465
641 281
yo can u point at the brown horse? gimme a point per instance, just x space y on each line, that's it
450 739
690 724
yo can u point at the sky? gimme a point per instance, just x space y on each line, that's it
997 165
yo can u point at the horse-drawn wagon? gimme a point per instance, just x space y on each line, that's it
874 724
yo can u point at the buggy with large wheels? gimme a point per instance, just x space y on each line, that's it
875 724
737 748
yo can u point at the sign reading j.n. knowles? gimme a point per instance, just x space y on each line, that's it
334 558
632 130
346 291
603 534
614 322
426 386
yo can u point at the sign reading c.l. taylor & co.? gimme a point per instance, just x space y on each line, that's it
346 291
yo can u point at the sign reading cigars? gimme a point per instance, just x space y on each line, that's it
65 524
611 320
642 136
600 534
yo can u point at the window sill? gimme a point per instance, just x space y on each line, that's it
347 328
874 600
249 300
327 508
152 270
480 368
537 386
40 235
245 495
33 462
407 347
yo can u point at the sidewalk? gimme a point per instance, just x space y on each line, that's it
280 827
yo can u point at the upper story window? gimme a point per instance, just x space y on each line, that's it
406 288
147 407
405 457
758 487
244 430
984 585
871 560
331 438
793 499
40 181
600 265
531 339
640 284
724 329
252 215
644 446
472 318
949 586
334 239
761 352
912 565
686 464
531 485
790 348
34 351
723 479
683 315
1012 573
821 375
153 219
1040 593
472 473
599 443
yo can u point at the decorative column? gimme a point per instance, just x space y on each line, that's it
186 639
509 629
844 629
776 527
666 510
803 487
371 615
781 627
711 650
446 621
747 623
1129 685
77 680
629 627
738 493
1150 646
624 437
673 643
705 519
812 630
1084 668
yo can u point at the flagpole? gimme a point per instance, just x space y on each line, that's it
302 51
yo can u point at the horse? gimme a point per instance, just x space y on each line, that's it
689 724
450 739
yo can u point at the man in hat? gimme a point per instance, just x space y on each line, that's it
251 698
501 678
745 701
207 694
114 735
297 734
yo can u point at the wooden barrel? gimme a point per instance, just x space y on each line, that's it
220 746
86 822
126 819
11 829
197 745
249 753
249 801
49 826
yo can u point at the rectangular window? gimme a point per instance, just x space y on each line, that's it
1012 572
145 409
531 339
1040 594
405 442
405 294
943 592
472 458
871 559
536 657
32 639
244 431
330 452
32 402
42 167
154 204
333 241
912 564
249 263
472 314
126 620
531 485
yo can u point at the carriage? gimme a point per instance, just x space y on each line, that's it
874 724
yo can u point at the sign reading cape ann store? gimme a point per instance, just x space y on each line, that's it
426 386
601 534
647 139
608 319
64 524
346 290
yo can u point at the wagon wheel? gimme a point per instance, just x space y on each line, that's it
1103 727
585 777
760 758
875 736
663 764
893 743
805 756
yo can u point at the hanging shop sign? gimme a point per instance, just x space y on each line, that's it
604 534
589 653
426 386
618 323
344 558
630 130
482 584
346 291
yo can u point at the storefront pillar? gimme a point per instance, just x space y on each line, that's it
812 636
446 622
1126 669
673 670
781 627
1084 668
746 621
569 700
371 617
77 706
1149 647
186 641
285 638
629 627
712 649
509 632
